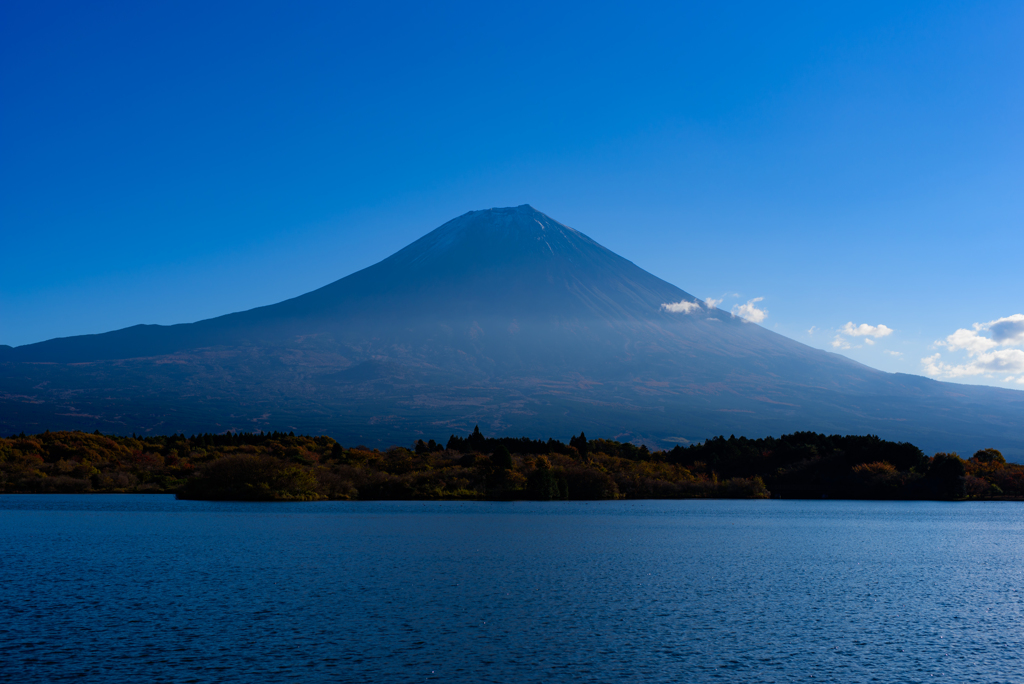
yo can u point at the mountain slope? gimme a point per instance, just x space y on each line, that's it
501 317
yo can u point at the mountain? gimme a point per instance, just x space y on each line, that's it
503 318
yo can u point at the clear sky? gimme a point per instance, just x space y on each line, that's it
847 163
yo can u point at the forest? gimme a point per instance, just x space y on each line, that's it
287 467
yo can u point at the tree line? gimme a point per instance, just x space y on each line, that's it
281 466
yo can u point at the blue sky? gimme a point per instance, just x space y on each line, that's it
847 163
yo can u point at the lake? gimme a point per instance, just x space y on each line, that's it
132 587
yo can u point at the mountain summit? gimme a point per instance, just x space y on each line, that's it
504 318
513 262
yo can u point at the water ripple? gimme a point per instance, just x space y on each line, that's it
113 588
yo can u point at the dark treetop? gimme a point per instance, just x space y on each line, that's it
285 467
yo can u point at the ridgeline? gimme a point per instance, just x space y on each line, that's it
529 324
285 467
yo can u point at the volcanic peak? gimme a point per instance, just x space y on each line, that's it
502 234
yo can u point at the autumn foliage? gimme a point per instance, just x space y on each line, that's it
286 467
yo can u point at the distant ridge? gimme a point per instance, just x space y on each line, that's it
502 317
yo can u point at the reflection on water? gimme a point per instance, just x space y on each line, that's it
115 587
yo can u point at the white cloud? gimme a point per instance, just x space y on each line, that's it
930 364
982 352
812 329
865 330
749 311
1007 331
1001 361
968 340
712 302
681 307
890 352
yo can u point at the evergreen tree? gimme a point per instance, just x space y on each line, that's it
476 440
501 458
580 444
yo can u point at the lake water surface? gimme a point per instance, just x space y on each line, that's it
146 588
